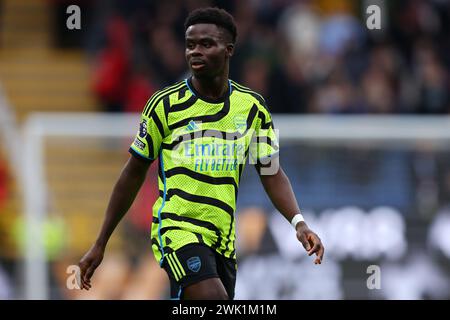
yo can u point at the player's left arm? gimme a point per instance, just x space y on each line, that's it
279 190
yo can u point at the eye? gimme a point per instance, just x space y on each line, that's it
190 45
207 44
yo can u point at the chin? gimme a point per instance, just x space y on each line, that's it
201 73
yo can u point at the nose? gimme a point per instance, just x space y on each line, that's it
195 51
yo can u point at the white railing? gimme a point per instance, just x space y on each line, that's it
330 129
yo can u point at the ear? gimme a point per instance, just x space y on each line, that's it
230 50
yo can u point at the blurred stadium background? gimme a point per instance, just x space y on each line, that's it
363 118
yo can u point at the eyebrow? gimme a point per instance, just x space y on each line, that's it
202 38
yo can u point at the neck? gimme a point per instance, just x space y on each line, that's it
213 88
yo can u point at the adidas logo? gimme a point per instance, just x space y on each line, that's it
191 126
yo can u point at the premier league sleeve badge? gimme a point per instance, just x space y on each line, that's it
143 128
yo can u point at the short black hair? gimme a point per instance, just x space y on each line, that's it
216 16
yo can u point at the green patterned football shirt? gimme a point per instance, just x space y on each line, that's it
202 146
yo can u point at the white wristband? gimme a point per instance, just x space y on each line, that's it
296 219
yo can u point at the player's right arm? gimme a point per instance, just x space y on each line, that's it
144 149
125 190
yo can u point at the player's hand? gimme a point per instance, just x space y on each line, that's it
90 261
310 241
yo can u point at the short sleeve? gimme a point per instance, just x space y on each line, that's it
151 132
264 145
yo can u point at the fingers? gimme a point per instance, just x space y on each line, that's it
304 241
86 272
85 283
89 273
82 267
317 248
88 264
319 255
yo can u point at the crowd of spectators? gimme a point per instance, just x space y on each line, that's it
303 56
